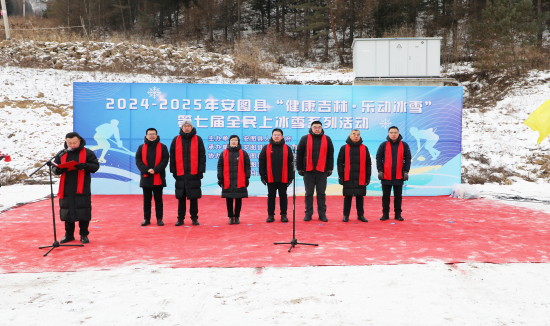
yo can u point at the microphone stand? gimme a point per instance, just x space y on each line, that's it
294 241
55 242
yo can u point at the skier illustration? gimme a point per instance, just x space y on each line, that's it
431 139
103 134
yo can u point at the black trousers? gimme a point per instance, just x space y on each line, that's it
359 200
272 189
316 181
397 198
83 225
182 207
238 205
147 197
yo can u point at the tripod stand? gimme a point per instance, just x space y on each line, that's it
55 242
294 241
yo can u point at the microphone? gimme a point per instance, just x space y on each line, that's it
63 152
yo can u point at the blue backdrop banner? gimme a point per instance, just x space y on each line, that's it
113 118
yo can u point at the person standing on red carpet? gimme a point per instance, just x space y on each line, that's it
233 177
75 196
276 170
393 161
315 161
354 171
151 160
187 165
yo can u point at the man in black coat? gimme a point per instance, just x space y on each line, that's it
75 196
354 171
279 175
315 161
187 165
152 163
393 161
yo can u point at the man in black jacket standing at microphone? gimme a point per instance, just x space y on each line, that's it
75 196
315 161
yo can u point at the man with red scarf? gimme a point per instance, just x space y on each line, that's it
315 161
187 165
393 161
151 160
354 170
75 196
277 172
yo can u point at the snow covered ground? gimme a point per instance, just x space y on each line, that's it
36 107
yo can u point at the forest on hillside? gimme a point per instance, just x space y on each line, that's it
493 34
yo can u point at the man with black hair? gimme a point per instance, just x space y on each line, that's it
75 196
187 165
315 161
393 161
277 172
151 160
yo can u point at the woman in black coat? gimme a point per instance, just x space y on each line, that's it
152 167
354 172
233 176
280 175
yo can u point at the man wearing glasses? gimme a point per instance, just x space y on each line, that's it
315 161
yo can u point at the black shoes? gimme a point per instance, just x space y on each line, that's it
307 218
84 239
237 220
145 222
398 217
362 218
346 218
67 238
195 221
231 221
180 221
159 223
284 219
270 219
323 219
385 217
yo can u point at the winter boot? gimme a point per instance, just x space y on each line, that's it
323 219
160 222
180 221
362 218
284 219
237 220
270 218
231 220
307 218
195 220
398 217
385 217
146 222
346 218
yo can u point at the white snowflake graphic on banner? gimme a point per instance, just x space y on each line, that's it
385 123
154 92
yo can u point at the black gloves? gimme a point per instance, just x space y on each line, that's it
49 163
264 181
220 184
61 171
289 183
301 172
340 181
405 176
81 166
367 182
380 175
329 173
200 175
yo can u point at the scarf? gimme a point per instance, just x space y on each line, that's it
322 154
81 175
388 164
362 159
269 166
158 156
194 156
241 183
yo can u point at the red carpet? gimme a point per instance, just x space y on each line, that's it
435 229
